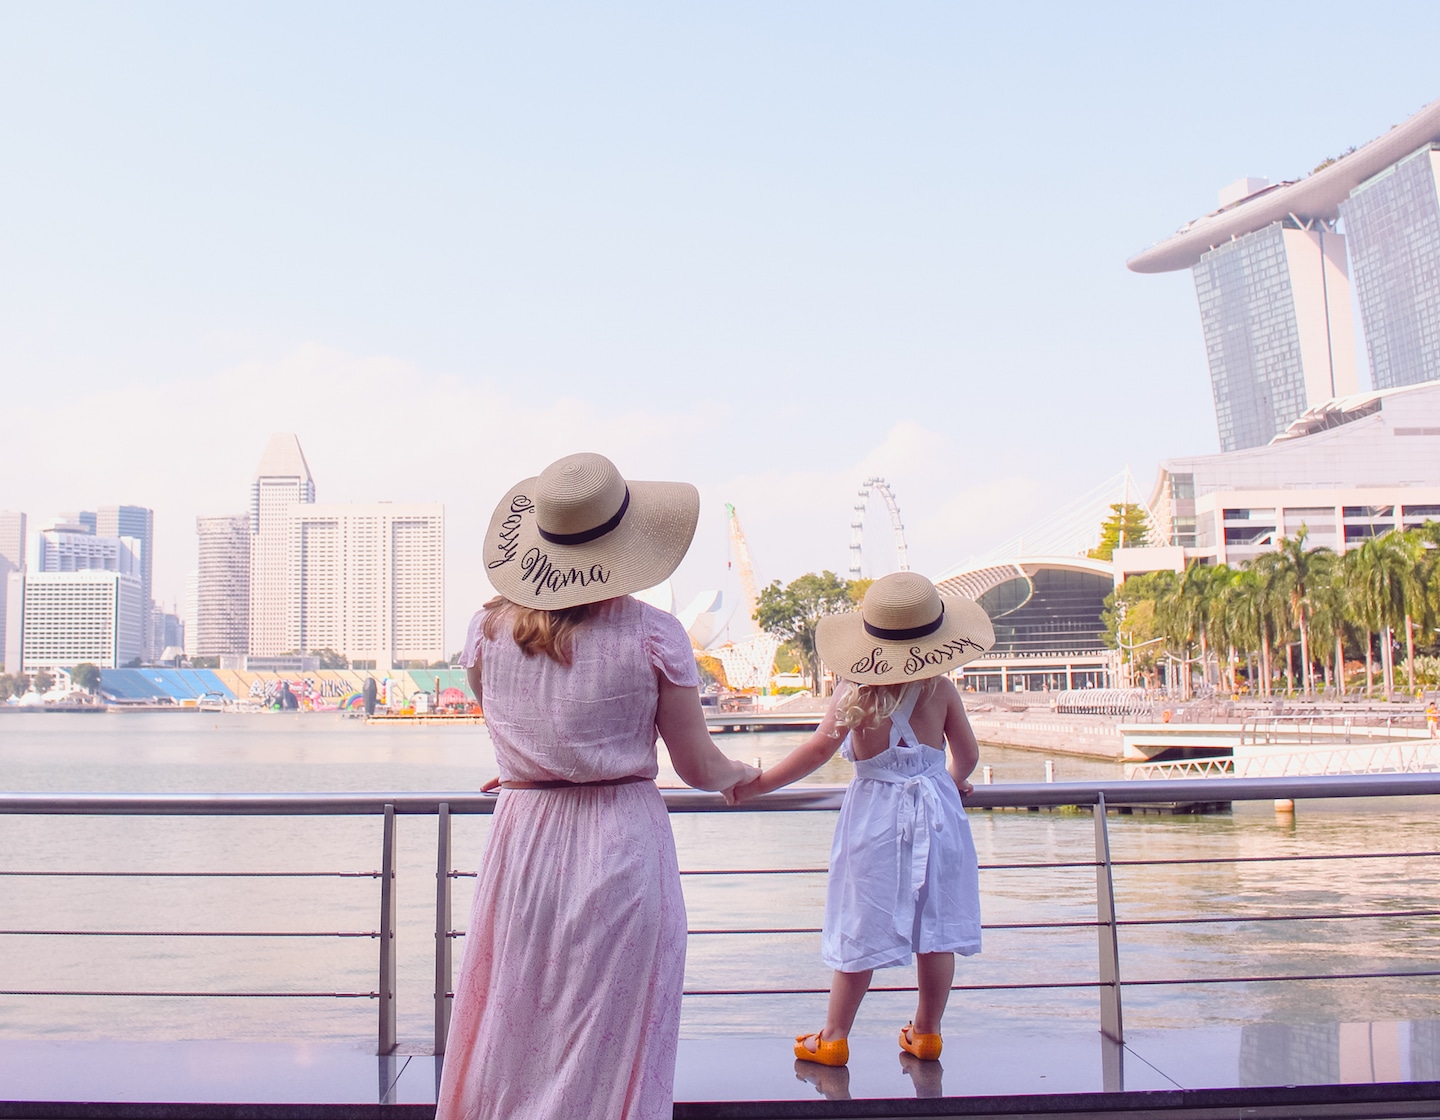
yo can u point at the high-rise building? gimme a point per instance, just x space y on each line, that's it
71 617
138 523
190 619
1393 222
62 550
167 631
281 481
12 559
369 581
1275 344
1270 274
222 587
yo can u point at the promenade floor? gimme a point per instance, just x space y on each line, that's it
1380 1069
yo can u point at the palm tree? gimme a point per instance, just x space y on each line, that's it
1375 582
1271 599
1297 568
1185 617
1237 605
1415 569
1224 624
1328 607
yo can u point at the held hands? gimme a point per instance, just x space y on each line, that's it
747 787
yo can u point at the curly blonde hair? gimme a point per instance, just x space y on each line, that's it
536 631
862 707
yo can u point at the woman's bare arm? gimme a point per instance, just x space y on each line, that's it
696 758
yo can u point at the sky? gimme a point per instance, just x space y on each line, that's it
773 249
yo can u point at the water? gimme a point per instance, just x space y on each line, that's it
164 752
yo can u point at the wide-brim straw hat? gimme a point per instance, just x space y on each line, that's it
905 630
579 533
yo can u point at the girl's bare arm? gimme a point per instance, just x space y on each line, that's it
964 750
808 757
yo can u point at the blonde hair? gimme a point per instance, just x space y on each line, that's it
536 631
865 706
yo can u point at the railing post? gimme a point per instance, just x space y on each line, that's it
1110 1018
387 935
442 930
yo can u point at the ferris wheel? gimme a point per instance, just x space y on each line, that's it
857 525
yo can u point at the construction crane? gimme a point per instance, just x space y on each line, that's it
748 664
745 569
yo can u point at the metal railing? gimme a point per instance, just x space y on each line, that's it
1096 796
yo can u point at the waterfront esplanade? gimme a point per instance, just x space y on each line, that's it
1271 277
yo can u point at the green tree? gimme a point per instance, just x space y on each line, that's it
1417 572
792 612
1131 621
1329 612
1126 527
1374 579
1296 569
43 681
13 685
329 659
1185 618
86 676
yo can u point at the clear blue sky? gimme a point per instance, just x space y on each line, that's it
770 248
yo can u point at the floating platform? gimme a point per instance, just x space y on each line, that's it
1143 809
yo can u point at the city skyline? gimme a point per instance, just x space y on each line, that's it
838 246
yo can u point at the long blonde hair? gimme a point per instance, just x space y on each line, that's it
536 631
862 707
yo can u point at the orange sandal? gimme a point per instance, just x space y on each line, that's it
833 1053
926 1047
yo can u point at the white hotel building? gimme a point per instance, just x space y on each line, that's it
79 598
369 582
66 618
364 580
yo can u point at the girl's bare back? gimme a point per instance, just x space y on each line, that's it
930 721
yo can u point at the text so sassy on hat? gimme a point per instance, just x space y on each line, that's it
905 630
579 533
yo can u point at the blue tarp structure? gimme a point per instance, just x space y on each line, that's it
160 684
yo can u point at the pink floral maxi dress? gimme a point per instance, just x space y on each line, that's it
567 1002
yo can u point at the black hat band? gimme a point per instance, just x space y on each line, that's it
906 635
587 535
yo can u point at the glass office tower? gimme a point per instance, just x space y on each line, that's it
1392 221
1275 309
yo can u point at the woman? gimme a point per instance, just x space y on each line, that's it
568 998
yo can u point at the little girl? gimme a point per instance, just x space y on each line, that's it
903 876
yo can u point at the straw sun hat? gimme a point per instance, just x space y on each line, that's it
905 630
579 533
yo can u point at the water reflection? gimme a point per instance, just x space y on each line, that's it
1329 1053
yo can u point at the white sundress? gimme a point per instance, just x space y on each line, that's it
903 874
